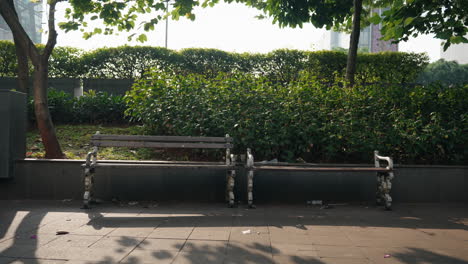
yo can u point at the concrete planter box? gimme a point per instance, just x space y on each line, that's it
12 130
62 179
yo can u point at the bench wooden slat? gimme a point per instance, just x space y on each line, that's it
336 169
143 144
160 138
165 166
162 162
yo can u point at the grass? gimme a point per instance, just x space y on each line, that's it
75 143
74 140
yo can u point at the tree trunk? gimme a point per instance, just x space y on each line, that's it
41 71
353 43
22 57
23 70
41 110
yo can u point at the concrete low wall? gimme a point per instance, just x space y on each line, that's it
49 179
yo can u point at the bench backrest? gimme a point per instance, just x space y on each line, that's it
102 140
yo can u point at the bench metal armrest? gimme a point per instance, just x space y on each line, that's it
378 158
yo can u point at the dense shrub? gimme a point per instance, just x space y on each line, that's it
66 62
91 108
282 65
60 106
8 63
445 72
127 62
307 119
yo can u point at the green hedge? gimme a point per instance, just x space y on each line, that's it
282 66
445 72
91 108
306 119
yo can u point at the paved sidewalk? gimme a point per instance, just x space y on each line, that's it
211 233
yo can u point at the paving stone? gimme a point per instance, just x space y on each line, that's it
199 258
92 230
53 227
294 249
6 260
249 249
237 235
133 231
117 242
162 244
18 251
184 233
396 255
39 261
150 256
28 239
79 253
171 232
291 238
339 251
345 261
288 259
107 260
210 233
318 230
340 240
205 246
73 241
250 259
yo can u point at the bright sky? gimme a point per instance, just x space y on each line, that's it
229 27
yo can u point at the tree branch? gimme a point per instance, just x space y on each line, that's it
22 39
52 38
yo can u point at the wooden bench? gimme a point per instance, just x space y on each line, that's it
138 141
384 174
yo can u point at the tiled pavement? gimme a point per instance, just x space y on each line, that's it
211 233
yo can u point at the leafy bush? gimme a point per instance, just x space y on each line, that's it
127 62
91 108
66 62
60 106
282 65
8 63
99 107
445 72
306 119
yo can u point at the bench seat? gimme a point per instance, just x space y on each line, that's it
385 174
313 168
143 141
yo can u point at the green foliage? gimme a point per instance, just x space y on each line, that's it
446 19
60 106
282 65
91 108
121 16
390 67
208 62
74 139
445 72
65 62
296 13
8 63
127 62
99 108
307 119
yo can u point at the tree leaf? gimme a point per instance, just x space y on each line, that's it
375 19
142 38
408 21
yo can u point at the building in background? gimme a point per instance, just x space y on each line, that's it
369 39
30 15
458 53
